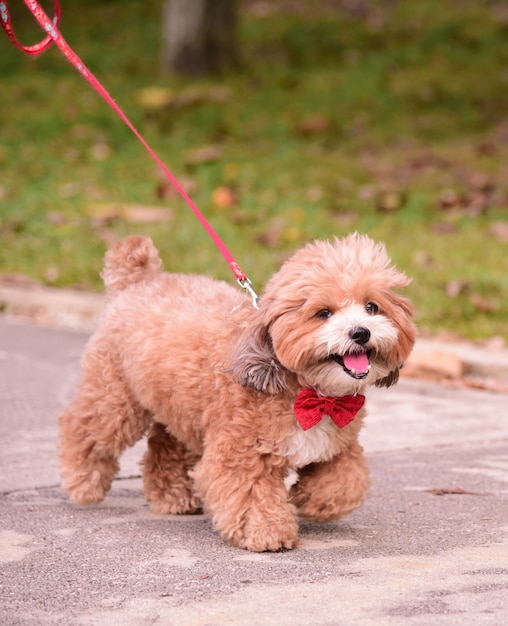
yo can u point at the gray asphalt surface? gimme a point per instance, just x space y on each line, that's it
429 547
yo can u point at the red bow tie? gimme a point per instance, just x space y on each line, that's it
311 408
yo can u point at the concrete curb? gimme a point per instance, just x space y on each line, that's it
482 365
63 308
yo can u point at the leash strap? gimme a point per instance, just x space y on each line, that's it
54 35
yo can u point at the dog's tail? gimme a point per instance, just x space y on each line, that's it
130 261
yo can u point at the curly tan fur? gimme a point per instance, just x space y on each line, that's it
213 380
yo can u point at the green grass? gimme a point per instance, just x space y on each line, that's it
413 96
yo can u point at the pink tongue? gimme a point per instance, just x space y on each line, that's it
358 363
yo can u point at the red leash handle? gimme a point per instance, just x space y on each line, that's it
51 27
37 48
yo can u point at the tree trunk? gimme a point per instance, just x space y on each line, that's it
199 36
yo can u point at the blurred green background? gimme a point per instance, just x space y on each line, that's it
387 117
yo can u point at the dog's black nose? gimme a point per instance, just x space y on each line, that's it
360 334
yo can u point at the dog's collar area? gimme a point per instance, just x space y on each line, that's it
356 364
310 408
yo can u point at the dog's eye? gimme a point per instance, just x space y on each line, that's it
372 308
324 314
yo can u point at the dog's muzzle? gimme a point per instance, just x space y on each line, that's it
356 362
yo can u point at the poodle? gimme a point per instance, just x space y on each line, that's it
251 414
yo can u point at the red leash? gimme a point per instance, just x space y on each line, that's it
51 27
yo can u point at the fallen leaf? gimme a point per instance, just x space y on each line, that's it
389 196
272 237
67 190
314 194
457 491
424 259
147 214
481 181
109 212
366 192
100 151
197 96
499 230
456 287
316 124
428 160
292 233
153 98
261 9
482 304
268 238
388 201
166 190
476 202
52 274
346 218
224 198
444 228
487 148
238 216
449 199
56 218
206 154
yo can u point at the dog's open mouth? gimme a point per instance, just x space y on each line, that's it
356 364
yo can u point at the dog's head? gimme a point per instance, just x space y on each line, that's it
330 319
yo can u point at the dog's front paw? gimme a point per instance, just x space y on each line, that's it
86 489
267 537
269 543
330 491
329 509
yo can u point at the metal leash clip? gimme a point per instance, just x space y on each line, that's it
246 283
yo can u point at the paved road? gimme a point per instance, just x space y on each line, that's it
409 556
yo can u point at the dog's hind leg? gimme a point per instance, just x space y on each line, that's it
101 421
332 490
166 465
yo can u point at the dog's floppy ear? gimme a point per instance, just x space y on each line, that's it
253 362
390 380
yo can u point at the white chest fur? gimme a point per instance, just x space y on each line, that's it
319 443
